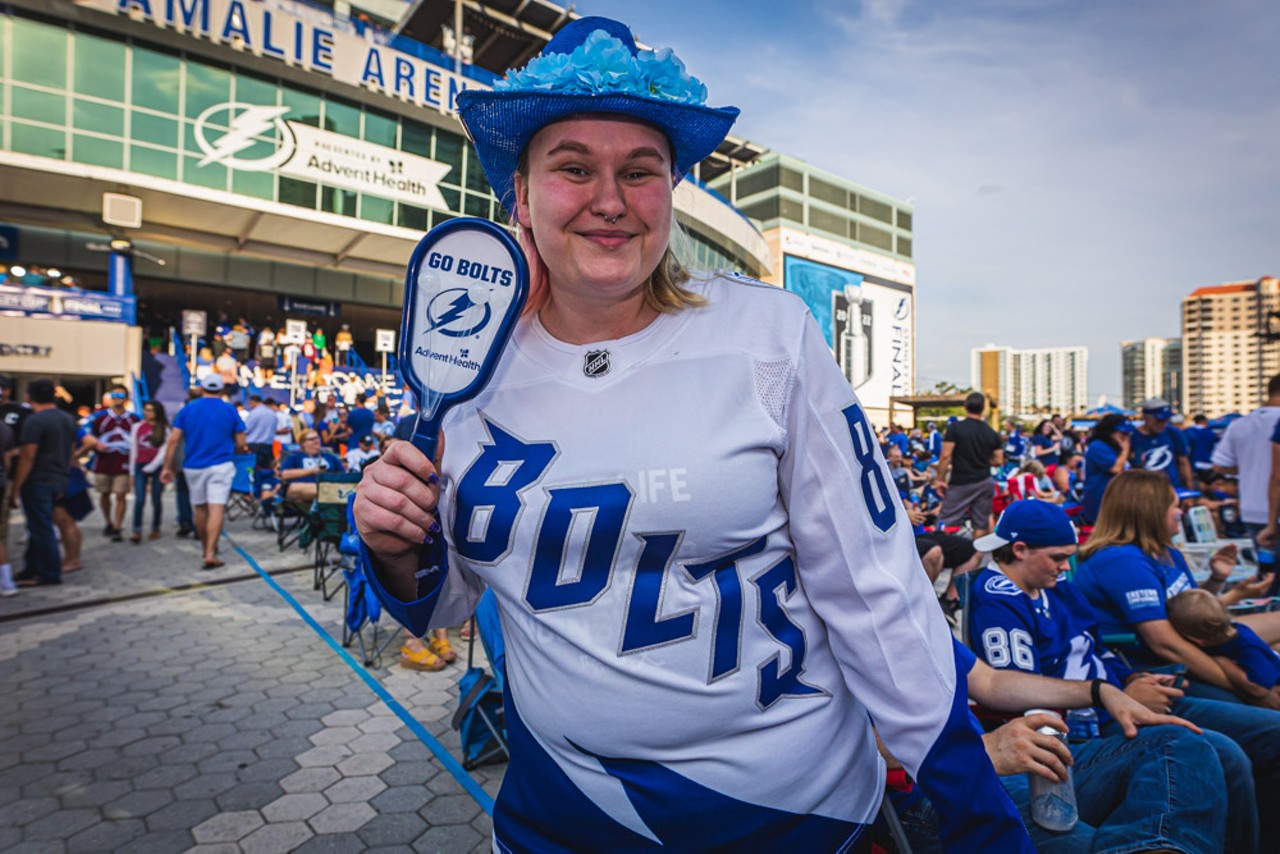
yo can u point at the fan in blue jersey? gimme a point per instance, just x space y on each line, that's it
1015 444
1024 616
1203 439
1107 454
1158 446
705 582
1130 571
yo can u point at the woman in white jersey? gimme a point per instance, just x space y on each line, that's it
705 586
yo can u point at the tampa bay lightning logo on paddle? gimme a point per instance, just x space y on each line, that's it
459 312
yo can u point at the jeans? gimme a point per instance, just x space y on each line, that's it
142 483
43 556
264 453
1161 789
1257 733
186 516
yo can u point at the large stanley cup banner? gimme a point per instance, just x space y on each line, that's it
867 322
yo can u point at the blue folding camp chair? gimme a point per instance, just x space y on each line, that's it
361 610
326 523
480 719
243 500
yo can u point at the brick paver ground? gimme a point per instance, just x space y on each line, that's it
212 718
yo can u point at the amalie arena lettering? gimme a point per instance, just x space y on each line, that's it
237 134
302 36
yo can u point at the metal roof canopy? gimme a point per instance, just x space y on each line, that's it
70 196
508 33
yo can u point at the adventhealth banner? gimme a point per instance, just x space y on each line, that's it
304 36
302 151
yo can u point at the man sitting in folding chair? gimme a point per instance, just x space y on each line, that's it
300 471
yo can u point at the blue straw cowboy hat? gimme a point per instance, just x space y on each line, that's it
591 66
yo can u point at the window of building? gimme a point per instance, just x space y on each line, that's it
303 107
790 209
763 210
376 209
153 161
37 105
206 86
97 151
829 222
904 220
415 138
211 175
100 67
825 191
757 181
792 180
875 209
97 118
338 201
876 237
341 117
39 54
904 246
295 192
380 128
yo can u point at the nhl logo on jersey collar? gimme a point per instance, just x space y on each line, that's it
595 363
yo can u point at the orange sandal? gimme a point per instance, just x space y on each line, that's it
420 659
441 647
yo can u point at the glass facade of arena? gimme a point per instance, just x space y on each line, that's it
74 95
78 96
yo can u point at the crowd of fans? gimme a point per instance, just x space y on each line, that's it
1062 547
246 356
1086 582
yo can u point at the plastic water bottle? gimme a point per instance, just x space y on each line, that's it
1053 804
1083 724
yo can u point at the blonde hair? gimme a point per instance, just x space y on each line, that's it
1133 513
1034 466
1200 617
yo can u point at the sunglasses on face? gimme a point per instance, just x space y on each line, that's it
118 395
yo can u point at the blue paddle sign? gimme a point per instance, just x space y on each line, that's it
463 292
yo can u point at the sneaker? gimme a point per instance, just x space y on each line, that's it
107 531
117 536
7 585
185 532
440 646
420 659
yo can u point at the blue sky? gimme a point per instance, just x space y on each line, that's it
1076 167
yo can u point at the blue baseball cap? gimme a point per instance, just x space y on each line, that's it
1125 426
1157 407
1032 521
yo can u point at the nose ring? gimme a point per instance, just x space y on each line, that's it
612 220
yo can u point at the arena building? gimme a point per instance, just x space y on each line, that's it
274 160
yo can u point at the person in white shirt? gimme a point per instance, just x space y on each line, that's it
1245 451
366 451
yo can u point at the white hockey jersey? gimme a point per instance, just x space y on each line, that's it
706 589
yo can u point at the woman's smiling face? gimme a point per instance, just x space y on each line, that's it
597 197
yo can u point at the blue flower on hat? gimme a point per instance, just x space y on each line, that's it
603 64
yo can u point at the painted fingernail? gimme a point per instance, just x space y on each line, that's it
435 527
433 479
428 540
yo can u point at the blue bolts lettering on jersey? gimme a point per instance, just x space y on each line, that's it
644 628
726 641
775 586
477 492
607 505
